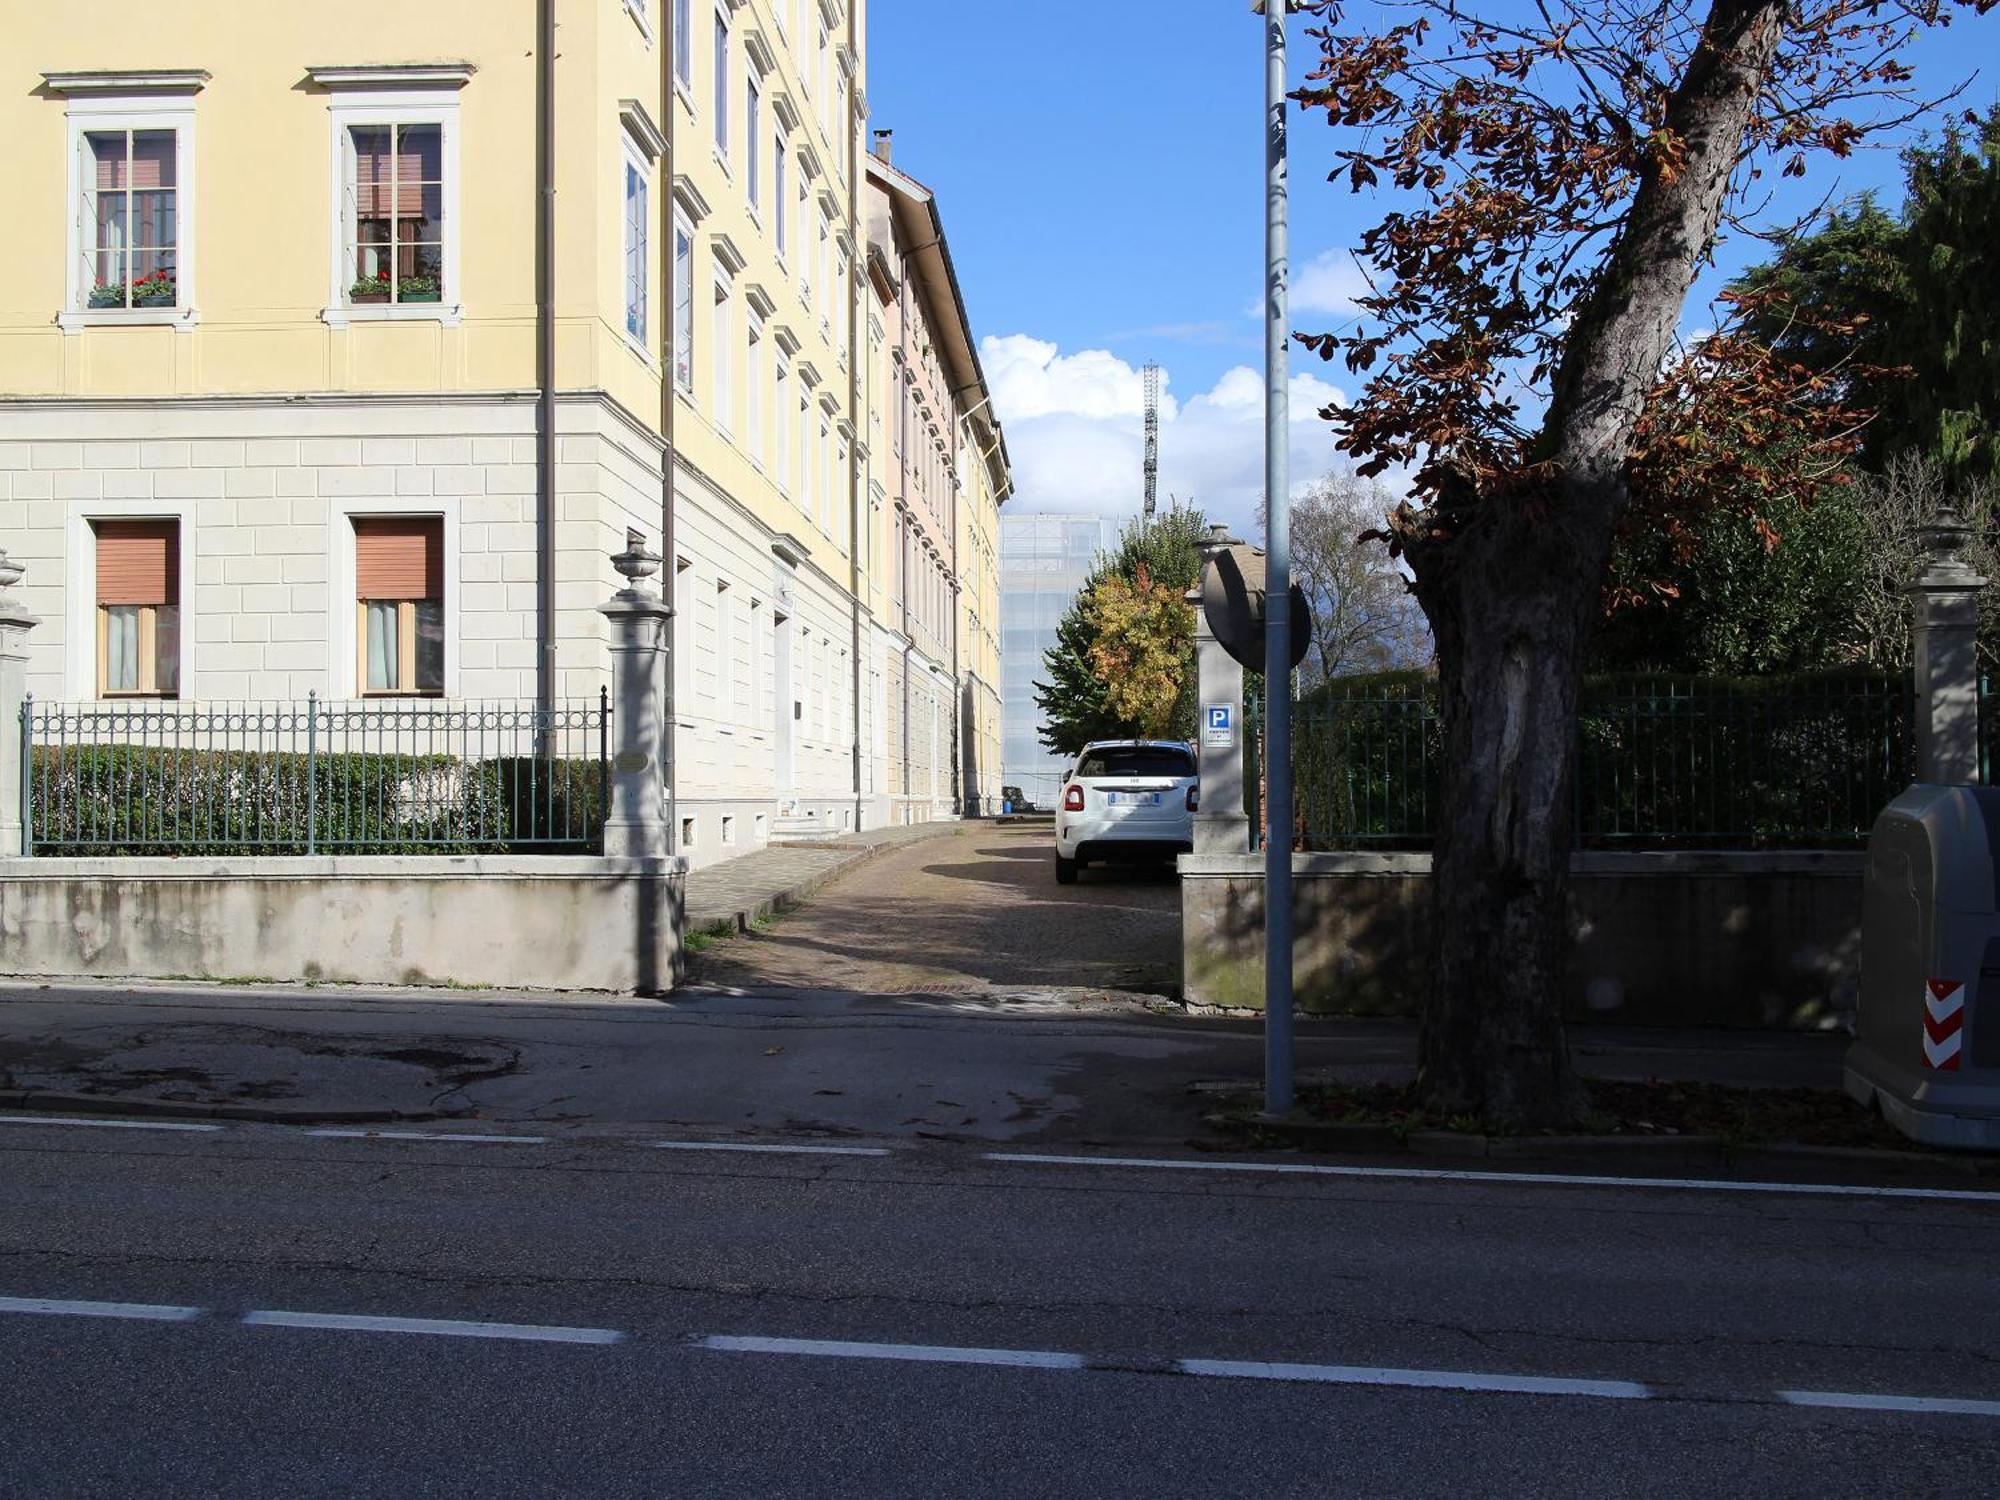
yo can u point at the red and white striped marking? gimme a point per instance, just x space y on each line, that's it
1944 1024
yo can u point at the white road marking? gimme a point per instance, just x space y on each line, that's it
1444 1380
1856 1401
107 1124
534 1333
1548 1179
144 1312
772 1149
934 1354
428 1135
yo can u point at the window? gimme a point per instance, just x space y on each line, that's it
778 189
138 608
781 464
128 219
753 389
395 221
722 85
684 43
635 250
683 305
399 603
719 342
725 651
752 116
1137 760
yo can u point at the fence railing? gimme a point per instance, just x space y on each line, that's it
370 777
1668 762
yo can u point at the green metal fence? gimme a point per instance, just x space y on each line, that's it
375 777
1662 762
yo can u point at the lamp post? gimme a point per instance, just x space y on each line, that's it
1278 580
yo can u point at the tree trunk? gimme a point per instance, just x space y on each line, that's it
1510 628
1512 586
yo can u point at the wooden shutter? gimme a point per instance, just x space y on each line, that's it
399 557
138 562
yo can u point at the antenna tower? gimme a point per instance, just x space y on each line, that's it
1152 381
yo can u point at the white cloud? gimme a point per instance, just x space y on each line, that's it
1329 283
1075 431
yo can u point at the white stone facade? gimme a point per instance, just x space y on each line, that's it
265 491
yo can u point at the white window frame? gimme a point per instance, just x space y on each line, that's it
343 644
641 17
132 112
678 332
397 107
636 167
725 651
778 205
719 93
753 388
683 25
80 682
781 464
721 359
753 111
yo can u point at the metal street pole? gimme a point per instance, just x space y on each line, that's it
1278 584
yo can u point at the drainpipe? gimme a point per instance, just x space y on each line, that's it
957 688
851 156
670 563
545 361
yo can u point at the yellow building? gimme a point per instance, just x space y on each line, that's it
337 358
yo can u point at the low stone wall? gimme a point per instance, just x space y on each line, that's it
565 923
1683 939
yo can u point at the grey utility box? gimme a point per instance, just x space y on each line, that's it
1928 1049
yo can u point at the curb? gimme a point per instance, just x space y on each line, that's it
111 1106
1677 1150
801 891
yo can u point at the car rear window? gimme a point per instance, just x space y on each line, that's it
1137 760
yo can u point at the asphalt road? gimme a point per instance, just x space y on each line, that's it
975 913
1003 1326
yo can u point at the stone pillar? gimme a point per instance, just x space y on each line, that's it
15 623
1945 636
637 825
1221 826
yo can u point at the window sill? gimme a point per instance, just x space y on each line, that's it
721 161
451 315
640 352
137 317
637 12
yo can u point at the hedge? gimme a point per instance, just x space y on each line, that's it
126 799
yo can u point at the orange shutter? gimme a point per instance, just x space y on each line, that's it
399 557
138 562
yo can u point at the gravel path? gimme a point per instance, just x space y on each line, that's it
968 914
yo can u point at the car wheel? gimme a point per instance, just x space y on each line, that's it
1065 871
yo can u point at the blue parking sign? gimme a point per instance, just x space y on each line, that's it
1219 725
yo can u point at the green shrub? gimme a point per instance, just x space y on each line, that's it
126 799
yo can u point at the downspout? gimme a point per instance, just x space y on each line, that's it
545 363
957 688
669 563
851 154
903 551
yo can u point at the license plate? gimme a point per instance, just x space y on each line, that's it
1133 799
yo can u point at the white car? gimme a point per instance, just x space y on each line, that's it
1126 801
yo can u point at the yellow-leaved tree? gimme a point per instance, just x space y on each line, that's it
1139 651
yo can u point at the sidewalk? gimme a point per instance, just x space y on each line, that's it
736 892
828 1062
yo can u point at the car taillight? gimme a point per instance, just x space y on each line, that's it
1073 799
1194 800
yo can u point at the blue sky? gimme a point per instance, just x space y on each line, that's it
1099 167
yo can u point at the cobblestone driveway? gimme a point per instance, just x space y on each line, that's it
976 912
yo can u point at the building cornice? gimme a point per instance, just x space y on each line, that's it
450 75
638 123
128 81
